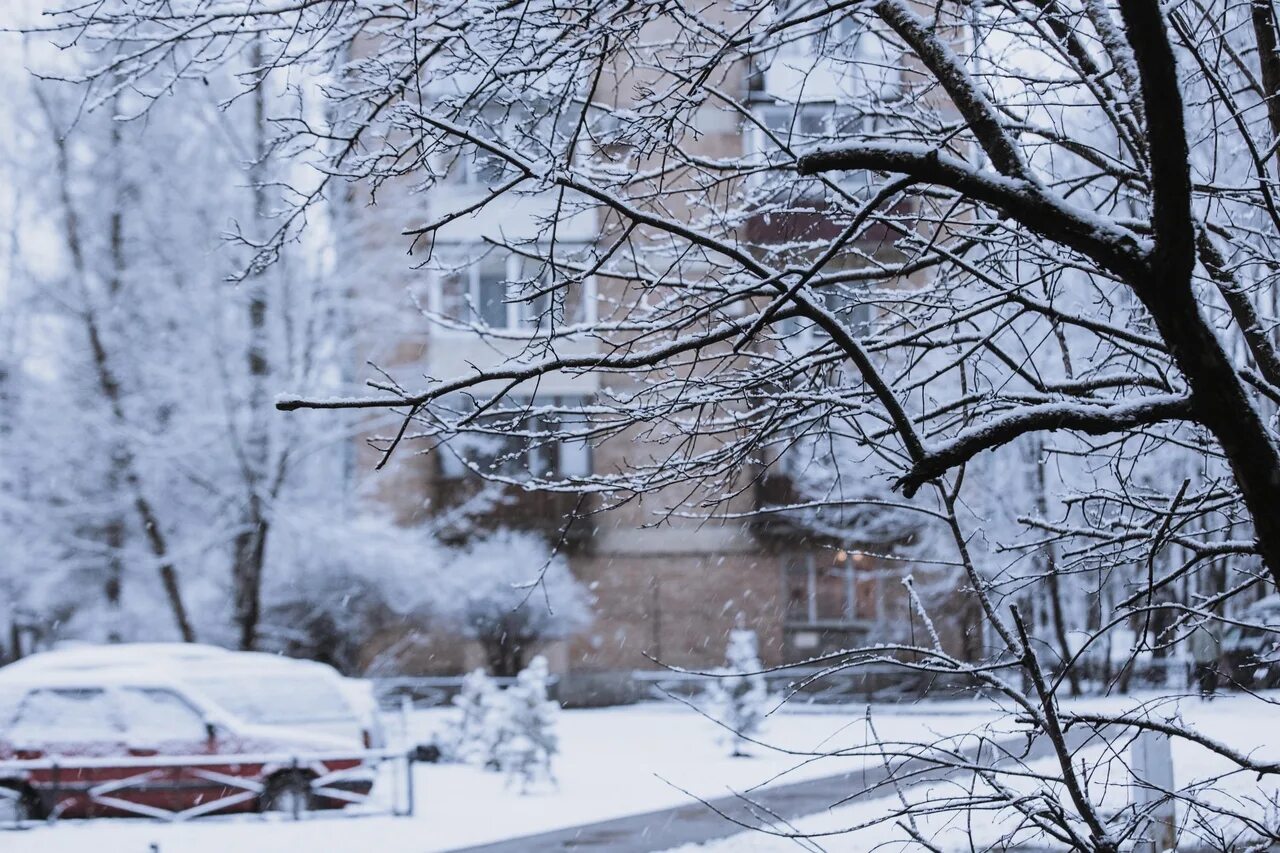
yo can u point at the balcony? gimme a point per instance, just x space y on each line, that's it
500 505
809 219
781 529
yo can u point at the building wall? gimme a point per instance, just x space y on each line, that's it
677 608
668 588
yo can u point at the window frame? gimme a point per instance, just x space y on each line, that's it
451 468
760 146
516 319
808 568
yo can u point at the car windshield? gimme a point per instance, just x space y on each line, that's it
276 699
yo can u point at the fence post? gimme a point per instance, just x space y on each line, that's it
406 710
55 777
296 801
408 783
1151 756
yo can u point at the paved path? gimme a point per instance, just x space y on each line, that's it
696 823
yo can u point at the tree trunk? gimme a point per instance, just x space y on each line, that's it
1225 408
1264 31
505 652
109 386
250 551
251 543
114 530
1219 399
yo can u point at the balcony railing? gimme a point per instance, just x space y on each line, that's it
564 517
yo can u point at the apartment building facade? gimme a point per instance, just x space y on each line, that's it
668 587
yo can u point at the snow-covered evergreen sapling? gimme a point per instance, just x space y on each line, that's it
737 696
474 735
529 740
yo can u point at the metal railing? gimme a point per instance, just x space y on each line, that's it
323 781
428 691
811 684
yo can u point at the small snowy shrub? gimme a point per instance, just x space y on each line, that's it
472 736
528 739
737 696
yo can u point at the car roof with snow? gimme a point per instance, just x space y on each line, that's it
14 687
255 687
109 676
88 657
159 656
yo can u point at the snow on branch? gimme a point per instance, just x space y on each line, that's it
1077 416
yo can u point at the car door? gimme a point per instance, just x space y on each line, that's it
163 724
79 730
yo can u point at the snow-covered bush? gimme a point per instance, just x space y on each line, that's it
528 740
509 592
472 737
512 730
737 697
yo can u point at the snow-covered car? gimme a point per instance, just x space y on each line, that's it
122 741
259 689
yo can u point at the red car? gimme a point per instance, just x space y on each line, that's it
76 745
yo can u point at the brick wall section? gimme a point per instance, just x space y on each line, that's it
677 608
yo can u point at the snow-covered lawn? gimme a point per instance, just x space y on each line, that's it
621 761
613 762
1239 721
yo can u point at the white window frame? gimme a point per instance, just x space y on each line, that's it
461 172
759 145
580 452
515 322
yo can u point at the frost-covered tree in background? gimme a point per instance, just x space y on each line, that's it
737 696
163 499
528 741
509 591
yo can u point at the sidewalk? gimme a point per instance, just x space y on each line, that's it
697 822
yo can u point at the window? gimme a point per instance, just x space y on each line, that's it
510 292
822 589
275 699
851 53
804 125
833 79
489 294
849 306
516 120
519 443
54 715
475 167
795 129
153 715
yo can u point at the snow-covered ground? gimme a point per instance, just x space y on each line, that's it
1239 721
613 762
622 761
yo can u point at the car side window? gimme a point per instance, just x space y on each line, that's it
156 715
61 714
